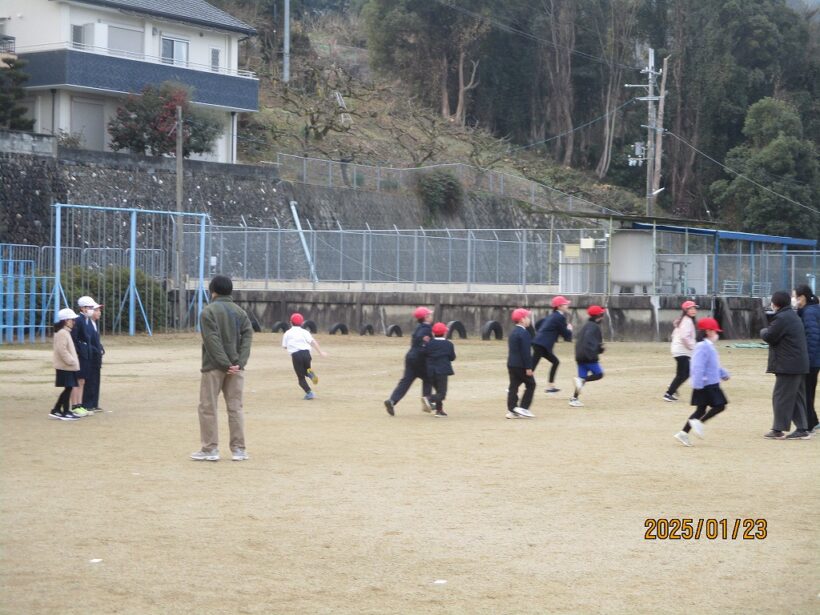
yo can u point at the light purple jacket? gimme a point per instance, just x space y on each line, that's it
705 368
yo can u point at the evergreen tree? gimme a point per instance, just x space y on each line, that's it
11 93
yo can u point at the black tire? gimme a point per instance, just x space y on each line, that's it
366 330
339 327
394 330
310 326
280 325
257 328
490 328
456 326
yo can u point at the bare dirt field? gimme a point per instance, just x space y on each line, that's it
343 509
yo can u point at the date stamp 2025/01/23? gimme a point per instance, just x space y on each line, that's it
711 529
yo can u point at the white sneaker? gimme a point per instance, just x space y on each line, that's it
697 427
513 415
205 456
576 403
426 404
683 438
524 412
579 383
239 455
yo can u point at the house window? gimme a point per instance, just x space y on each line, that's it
82 36
174 51
215 53
125 40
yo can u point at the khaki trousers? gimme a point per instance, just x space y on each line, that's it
212 383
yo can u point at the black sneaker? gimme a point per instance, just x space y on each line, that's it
390 407
440 413
69 416
668 397
774 434
54 415
799 434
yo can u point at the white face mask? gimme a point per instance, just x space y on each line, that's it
794 303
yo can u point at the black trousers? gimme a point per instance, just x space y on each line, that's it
412 369
91 391
518 376
681 374
811 390
789 401
301 363
702 415
539 352
63 405
439 384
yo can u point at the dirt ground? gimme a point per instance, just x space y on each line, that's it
343 509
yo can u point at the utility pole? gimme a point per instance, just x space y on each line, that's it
286 45
180 239
656 179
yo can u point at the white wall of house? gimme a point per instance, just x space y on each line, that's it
43 24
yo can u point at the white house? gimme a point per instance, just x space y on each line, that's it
85 56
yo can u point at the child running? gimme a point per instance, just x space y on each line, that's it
588 347
415 365
66 363
519 367
297 341
440 354
706 373
553 325
683 343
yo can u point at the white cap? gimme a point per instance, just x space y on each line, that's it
66 314
87 301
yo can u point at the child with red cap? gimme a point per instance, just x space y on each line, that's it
297 341
519 367
440 354
415 364
551 328
683 343
706 373
589 344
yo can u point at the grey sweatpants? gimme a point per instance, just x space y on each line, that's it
789 402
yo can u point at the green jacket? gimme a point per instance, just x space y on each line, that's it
226 335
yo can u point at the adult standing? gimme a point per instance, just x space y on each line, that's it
415 364
91 391
789 362
684 339
226 346
808 308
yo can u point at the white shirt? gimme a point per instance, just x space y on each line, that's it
296 339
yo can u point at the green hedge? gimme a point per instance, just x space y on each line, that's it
441 192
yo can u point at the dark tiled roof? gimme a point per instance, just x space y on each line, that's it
196 12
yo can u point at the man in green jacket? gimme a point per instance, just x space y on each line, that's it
226 346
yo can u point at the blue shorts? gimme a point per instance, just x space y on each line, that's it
584 369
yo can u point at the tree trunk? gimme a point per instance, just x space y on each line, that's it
461 106
445 94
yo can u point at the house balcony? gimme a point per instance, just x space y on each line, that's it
92 69
7 43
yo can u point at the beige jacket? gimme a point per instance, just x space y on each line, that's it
65 355
683 338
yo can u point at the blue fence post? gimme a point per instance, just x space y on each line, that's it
132 276
58 262
2 304
32 300
201 290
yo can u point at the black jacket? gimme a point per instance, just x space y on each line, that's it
810 315
554 325
518 344
440 353
787 343
589 343
416 352
83 334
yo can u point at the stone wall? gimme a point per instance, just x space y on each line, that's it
14 142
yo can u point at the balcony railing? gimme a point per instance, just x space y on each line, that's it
7 43
221 70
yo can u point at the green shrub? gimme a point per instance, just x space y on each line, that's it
441 192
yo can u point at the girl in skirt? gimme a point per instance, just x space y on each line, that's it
706 374
66 363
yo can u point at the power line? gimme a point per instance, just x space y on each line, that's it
506 27
741 176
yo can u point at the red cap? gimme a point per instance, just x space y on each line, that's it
422 312
519 314
559 301
709 324
439 329
297 319
688 304
595 310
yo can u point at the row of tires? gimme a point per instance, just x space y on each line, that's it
491 329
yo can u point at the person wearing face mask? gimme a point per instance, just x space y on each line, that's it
91 390
789 362
808 308
706 373
83 335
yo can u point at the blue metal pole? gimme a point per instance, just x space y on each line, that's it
58 244
715 265
2 307
201 290
32 296
132 278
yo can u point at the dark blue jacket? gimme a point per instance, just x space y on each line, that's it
417 343
519 343
589 343
554 325
440 353
83 334
95 343
810 315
